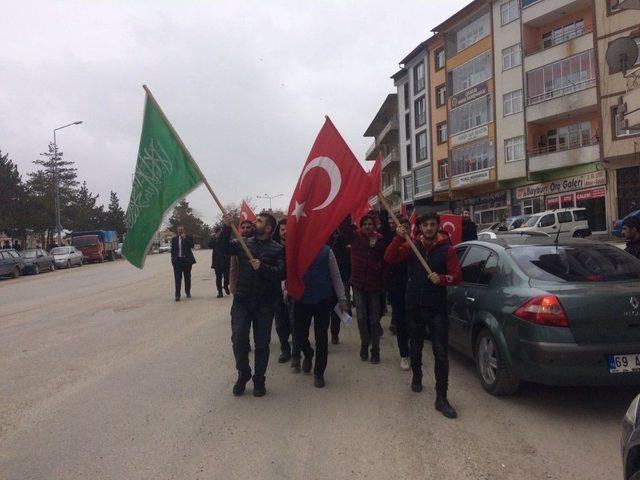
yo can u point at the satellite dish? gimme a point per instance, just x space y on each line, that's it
621 54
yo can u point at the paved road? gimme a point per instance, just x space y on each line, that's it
104 376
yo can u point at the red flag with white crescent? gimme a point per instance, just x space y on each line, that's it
452 224
403 210
412 222
246 213
332 182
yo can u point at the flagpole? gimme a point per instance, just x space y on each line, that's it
424 263
195 165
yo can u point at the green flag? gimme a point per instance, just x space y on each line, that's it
165 173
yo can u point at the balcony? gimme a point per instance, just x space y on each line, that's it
570 155
632 104
559 48
391 188
556 103
391 157
541 12
389 134
372 151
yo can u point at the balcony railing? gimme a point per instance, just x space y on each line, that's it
421 119
562 91
554 40
392 125
391 157
566 146
392 187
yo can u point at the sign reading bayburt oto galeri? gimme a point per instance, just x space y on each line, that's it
564 185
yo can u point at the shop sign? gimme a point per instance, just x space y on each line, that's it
492 199
469 94
564 185
553 202
589 194
470 178
469 135
566 199
442 185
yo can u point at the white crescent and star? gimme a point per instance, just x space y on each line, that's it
244 215
453 227
335 178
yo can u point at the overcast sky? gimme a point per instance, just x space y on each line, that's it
245 83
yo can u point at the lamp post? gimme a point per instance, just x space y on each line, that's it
56 179
270 197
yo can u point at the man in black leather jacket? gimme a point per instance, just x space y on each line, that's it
253 302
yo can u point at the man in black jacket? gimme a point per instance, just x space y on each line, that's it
182 260
631 233
469 229
253 302
220 264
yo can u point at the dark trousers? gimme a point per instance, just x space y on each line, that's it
438 323
245 313
222 278
319 312
335 319
399 319
283 325
182 268
368 307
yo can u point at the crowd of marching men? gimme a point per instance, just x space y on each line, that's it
361 266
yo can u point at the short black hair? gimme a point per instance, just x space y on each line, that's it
428 216
364 218
632 222
283 221
271 220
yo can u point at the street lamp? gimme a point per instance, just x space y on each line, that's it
270 197
56 179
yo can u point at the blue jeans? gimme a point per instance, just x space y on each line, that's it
244 313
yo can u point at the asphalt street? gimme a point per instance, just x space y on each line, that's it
104 376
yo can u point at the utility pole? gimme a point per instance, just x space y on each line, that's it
270 197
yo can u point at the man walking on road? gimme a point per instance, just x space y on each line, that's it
220 264
282 311
182 260
469 228
427 300
253 303
397 288
631 233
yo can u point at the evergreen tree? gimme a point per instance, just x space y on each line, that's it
82 213
114 216
12 198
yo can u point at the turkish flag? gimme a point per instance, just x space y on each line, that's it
246 213
403 211
361 211
375 176
412 222
332 184
452 224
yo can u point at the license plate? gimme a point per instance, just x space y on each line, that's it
624 363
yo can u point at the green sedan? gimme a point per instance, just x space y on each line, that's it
530 308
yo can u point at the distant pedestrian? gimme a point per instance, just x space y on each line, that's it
503 225
7 244
220 264
16 245
182 260
469 228
631 233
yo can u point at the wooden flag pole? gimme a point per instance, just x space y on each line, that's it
195 165
424 263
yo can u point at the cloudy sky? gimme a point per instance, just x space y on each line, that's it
245 83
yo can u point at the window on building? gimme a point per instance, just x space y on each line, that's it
406 96
563 34
441 133
409 159
421 146
514 149
418 78
511 57
439 59
469 158
561 78
422 180
468 33
420 111
567 137
441 96
619 130
407 188
614 6
471 73
509 12
470 115
512 102
407 126
443 169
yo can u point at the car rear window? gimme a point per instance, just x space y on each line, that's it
580 215
564 217
580 263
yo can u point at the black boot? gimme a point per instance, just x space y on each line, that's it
259 389
220 294
284 357
375 356
416 383
364 352
335 339
318 381
295 365
241 383
226 290
443 405
307 362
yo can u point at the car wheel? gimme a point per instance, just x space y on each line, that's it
579 234
68 264
36 269
16 272
52 267
495 375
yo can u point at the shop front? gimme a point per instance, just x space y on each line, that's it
585 191
486 209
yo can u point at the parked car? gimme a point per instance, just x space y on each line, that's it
164 248
96 245
67 257
517 221
10 262
568 222
118 251
37 260
487 235
546 311
617 225
630 442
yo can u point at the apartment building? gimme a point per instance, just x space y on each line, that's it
620 138
384 130
436 57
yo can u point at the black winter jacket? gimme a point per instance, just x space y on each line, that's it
262 285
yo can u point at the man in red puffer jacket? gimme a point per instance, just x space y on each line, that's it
367 281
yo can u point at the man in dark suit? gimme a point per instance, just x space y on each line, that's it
182 260
220 263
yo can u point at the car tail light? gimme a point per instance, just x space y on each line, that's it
543 310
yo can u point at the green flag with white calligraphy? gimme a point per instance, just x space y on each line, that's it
165 173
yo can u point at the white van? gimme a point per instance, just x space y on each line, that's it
570 222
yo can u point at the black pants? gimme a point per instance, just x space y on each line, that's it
399 319
222 278
283 325
182 267
335 319
245 313
438 323
319 312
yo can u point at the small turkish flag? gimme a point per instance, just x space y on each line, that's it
412 222
403 210
331 185
452 224
246 213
